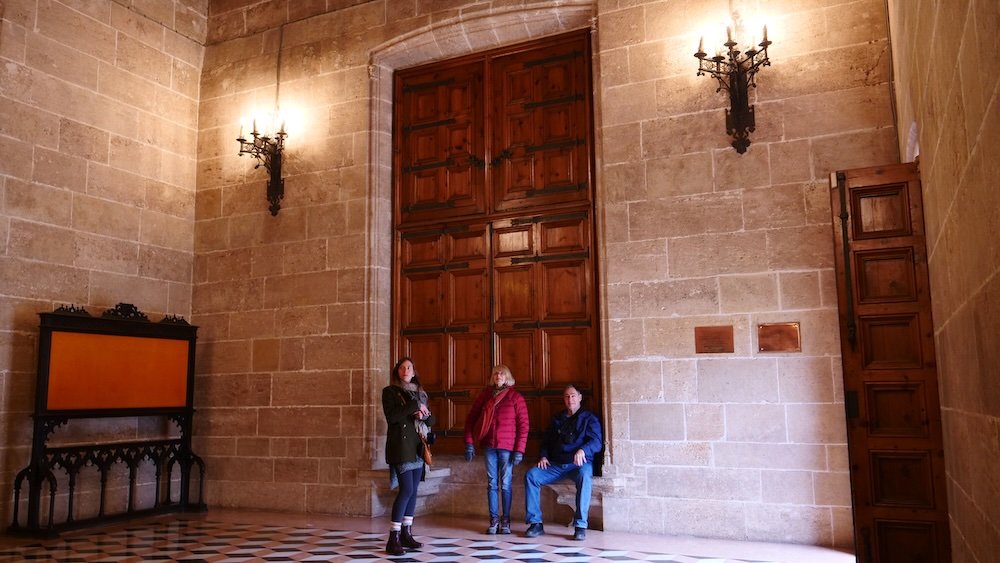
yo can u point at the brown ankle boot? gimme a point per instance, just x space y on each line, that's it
406 538
393 547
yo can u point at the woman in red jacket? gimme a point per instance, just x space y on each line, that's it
498 422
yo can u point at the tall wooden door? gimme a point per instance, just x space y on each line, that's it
890 375
493 215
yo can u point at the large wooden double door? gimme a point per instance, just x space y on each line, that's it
493 219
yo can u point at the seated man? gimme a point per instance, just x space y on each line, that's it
568 449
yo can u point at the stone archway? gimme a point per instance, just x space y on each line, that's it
442 40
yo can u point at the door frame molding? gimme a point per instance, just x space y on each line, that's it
520 23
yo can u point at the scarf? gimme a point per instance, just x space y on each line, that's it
485 420
417 393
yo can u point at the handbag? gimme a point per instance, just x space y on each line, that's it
425 451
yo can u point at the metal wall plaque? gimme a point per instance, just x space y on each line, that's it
778 337
713 339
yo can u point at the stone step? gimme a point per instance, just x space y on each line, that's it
383 496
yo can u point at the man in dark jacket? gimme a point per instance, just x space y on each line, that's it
568 449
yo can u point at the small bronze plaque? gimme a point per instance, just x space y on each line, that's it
713 339
778 337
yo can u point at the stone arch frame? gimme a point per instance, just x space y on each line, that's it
449 38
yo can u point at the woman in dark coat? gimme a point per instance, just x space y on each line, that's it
404 403
498 422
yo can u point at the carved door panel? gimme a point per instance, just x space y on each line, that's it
544 315
443 304
890 375
540 153
439 144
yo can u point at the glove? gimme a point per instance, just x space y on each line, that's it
470 452
518 456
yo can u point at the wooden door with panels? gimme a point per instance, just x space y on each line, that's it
890 374
493 218
438 144
541 127
544 316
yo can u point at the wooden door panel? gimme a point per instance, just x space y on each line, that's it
909 541
564 235
521 128
518 349
543 288
556 123
897 409
541 145
494 261
902 479
430 354
470 301
469 353
514 301
565 290
886 275
422 295
421 250
883 211
890 377
471 242
438 134
512 240
566 356
890 342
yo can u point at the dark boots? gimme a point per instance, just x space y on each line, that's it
393 546
406 538
505 525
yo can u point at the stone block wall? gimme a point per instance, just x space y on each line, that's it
748 445
949 94
743 445
296 308
104 194
98 137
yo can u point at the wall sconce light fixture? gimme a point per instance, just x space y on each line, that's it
267 148
736 72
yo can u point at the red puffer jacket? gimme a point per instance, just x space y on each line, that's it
509 430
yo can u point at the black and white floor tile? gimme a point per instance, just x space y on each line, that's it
209 541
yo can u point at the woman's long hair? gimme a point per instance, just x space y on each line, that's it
394 378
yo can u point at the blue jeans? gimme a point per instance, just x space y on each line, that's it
499 473
536 478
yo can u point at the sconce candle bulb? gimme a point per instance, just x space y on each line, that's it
736 72
268 151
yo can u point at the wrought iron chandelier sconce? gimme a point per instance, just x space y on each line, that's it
268 145
736 72
268 150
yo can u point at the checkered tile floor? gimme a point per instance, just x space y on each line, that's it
197 541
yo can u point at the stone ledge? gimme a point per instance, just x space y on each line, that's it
382 495
565 492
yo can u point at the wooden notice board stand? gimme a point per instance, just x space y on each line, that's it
116 365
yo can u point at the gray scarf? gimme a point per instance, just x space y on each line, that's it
417 392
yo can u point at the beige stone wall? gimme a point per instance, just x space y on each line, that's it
98 178
743 445
98 135
946 68
295 308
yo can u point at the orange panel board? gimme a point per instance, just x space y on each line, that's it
101 371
